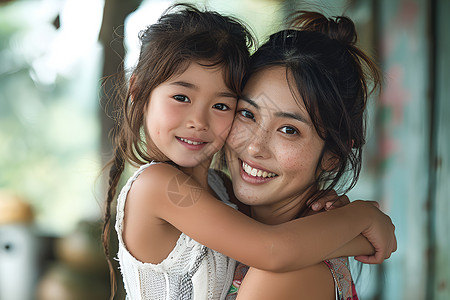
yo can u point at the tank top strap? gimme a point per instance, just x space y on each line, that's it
217 184
340 270
123 196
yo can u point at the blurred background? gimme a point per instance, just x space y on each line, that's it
54 138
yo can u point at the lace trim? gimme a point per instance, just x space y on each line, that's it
342 278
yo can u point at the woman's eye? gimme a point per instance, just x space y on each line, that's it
289 130
221 106
181 98
246 114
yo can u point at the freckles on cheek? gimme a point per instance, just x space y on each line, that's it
290 158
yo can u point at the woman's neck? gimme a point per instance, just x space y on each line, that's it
199 173
281 212
275 215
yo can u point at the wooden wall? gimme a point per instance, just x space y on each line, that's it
439 286
407 158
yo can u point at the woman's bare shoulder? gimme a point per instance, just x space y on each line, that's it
315 282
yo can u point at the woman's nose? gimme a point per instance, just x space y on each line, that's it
258 144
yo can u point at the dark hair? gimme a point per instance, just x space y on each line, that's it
332 76
183 34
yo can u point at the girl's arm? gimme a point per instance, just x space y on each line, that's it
359 245
356 247
289 246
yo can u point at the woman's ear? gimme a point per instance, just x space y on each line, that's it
329 161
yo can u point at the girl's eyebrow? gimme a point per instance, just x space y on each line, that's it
196 88
227 95
185 84
279 114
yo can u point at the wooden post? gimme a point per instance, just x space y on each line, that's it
439 272
404 135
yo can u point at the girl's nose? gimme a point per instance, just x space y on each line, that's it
198 121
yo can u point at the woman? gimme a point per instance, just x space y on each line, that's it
298 134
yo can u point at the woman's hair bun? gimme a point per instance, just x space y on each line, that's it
338 28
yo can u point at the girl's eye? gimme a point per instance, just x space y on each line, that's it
221 106
181 98
246 114
289 130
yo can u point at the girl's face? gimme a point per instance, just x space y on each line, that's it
189 116
273 149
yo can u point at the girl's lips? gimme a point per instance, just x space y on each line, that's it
192 143
256 176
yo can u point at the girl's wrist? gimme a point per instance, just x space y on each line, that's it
362 214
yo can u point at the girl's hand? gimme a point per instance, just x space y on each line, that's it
330 201
381 234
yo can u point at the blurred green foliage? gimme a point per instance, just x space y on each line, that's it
48 119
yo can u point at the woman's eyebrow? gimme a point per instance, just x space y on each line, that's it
294 116
249 101
279 114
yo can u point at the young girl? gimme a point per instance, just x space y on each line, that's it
177 113
301 119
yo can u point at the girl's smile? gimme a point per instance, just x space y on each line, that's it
192 143
189 116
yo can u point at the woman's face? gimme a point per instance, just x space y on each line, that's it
273 149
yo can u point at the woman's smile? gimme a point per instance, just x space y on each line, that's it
272 151
253 174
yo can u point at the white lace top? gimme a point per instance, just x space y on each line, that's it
190 271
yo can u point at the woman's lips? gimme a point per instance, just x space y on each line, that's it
255 175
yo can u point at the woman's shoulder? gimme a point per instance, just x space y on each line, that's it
314 282
229 188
